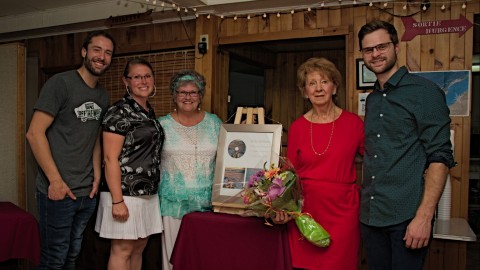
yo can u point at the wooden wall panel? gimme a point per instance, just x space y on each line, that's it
433 52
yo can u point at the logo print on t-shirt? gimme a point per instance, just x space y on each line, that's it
88 111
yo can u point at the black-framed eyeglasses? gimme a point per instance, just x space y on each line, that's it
139 78
380 48
183 94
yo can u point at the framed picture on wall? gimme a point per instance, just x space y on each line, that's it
243 150
457 87
365 78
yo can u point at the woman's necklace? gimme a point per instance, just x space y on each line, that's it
331 134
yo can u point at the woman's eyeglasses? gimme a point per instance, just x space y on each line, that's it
183 94
139 78
380 48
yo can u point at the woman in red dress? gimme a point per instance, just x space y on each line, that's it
322 146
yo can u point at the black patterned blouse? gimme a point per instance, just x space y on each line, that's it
140 155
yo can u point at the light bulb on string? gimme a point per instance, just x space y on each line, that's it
208 16
162 4
278 14
194 9
293 11
173 5
371 4
354 2
443 7
154 2
464 6
264 15
235 18
221 16
322 4
196 15
309 9
385 5
405 7
185 10
424 8
178 9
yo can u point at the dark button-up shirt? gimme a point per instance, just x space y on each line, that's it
407 127
140 156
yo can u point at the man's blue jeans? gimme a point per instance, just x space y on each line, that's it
386 249
61 229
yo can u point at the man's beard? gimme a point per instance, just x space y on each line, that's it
389 65
87 62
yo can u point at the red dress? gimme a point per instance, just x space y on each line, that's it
330 193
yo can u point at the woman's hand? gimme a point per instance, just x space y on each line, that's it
281 217
120 211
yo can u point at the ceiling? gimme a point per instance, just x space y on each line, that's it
17 16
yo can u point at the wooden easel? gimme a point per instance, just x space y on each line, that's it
253 114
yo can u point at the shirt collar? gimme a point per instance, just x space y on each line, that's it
393 81
137 106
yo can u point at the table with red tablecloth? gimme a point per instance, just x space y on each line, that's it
211 241
19 235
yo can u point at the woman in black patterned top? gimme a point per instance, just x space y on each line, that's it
132 141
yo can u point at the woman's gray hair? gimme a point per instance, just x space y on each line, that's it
185 77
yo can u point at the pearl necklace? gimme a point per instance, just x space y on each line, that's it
331 134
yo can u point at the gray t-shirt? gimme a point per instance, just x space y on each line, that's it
78 111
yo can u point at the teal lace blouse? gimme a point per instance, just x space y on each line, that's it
188 165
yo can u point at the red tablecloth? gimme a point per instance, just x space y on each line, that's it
19 236
210 241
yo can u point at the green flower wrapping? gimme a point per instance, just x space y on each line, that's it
277 189
312 231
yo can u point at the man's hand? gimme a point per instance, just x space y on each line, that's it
58 190
94 189
418 233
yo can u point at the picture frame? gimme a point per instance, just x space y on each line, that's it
365 77
456 84
243 150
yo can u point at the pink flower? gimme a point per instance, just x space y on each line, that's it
276 189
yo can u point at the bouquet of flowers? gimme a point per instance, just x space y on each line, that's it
277 189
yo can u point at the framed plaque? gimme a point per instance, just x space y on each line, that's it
242 151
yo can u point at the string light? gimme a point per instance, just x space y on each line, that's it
423 5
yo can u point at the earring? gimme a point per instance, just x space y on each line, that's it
154 91
175 109
128 91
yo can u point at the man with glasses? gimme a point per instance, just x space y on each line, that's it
408 154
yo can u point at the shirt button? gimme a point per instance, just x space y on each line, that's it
384 95
375 156
373 177
378 135
381 115
372 197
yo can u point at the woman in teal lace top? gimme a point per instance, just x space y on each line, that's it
188 157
